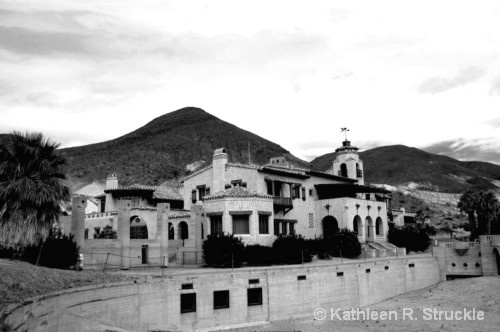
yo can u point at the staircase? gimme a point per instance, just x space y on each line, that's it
381 249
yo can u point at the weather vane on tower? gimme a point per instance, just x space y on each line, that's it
344 130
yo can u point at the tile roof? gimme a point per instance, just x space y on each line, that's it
236 192
133 187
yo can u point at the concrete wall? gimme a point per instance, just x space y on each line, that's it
156 305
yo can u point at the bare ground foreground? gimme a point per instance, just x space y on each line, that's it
20 281
480 293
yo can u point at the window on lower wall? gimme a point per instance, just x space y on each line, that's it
276 228
263 224
86 235
254 296
188 302
241 224
221 299
193 196
216 225
201 192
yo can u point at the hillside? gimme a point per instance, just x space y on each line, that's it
401 165
170 146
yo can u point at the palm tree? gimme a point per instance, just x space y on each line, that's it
32 187
468 205
487 209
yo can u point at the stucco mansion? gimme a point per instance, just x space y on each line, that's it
256 203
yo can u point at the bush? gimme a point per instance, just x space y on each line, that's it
223 250
291 249
411 237
107 233
343 243
257 255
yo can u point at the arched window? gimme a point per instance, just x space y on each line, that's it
357 225
343 170
138 228
379 229
171 231
330 226
183 230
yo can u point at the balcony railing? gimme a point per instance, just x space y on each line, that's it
284 204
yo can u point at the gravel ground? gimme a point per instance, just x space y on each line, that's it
483 294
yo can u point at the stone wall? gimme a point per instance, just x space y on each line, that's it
287 291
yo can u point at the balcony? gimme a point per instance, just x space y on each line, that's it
284 204
359 173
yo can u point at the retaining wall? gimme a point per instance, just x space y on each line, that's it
287 291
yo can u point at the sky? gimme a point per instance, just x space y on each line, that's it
423 73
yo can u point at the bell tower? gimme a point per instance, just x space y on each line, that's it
347 162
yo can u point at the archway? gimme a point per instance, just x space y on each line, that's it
357 225
183 230
369 230
138 228
343 170
330 226
171 231
497 256
379 226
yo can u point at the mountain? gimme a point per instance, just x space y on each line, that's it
401 165
170 146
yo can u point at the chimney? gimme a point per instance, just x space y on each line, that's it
219 169
112 182
279 161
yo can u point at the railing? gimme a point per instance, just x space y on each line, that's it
283 201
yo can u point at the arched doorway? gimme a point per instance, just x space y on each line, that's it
343 170
138 228
330 226
369 230
379 226
183 231
497 256
171 231
357 225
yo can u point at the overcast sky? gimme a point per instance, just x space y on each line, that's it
420 73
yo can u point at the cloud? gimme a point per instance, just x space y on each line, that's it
495 88
435 85
485 149
495 123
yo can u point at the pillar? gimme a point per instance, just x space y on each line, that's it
124 232
162 210
78 205
198 220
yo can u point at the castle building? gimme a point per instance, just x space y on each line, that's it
255 203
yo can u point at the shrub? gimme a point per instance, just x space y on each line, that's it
107 233
343 243
257 255
291 249
223 250
411 237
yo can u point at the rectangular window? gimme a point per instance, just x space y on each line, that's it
221 299
291 228
276 228
367 271
301 277
411 265
241 224
303 193
187 286
263 224
253 281
295 191
283 228
188 302
340 274
254 296
216 225
387 268
144 253
193 196
103 205
201 193
269 187
86 235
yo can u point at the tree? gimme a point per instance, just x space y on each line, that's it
468 204
32 187
481 209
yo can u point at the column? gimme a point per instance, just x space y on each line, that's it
78 205
162 210
124 224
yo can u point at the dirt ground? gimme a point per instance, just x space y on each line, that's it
483 294
21 280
